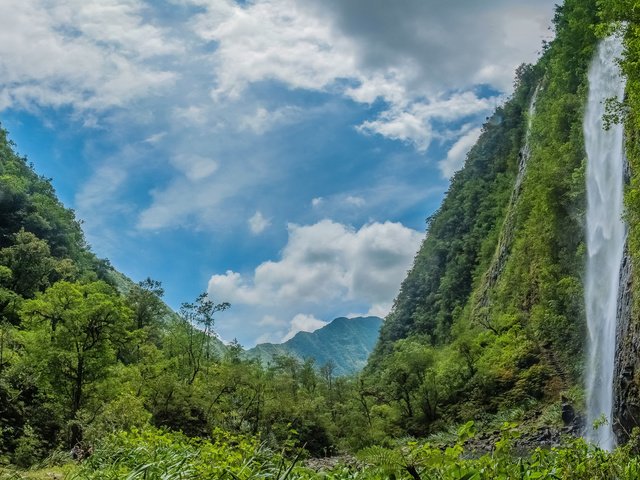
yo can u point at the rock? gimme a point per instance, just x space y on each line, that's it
626 390
320 464
568 413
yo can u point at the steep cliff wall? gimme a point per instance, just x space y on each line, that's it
495 296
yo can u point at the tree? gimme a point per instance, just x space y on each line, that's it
408 375
75 332
145 299
196 329
30 262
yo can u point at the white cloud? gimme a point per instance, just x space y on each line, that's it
192 114
258 224
355 201
268 337
196 198
263 120
194 167
401 125
381 50
82 53
379 310
95 55
389 86
271 321
206 80
458 153
101 188
303 323
414 123
182 205
324 263
282 40
155 138
440 45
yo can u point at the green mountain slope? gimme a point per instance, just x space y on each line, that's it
491 312
344 343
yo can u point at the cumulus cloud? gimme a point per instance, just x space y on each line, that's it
458 153
439 45
258 224
382 50
323 263
201 72
197 85
413 124
282 40
88 54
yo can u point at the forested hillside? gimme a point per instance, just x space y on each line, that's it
493 306
85 352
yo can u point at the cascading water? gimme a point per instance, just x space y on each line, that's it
605 234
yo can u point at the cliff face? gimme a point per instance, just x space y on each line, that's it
626 387
627 372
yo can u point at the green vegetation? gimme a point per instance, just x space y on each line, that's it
485 321
156 454
622 15
85 353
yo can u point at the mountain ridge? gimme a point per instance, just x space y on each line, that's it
327 344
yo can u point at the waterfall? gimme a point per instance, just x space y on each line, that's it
606 233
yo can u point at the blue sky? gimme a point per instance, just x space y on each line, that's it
282 155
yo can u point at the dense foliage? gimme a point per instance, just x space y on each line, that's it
156 454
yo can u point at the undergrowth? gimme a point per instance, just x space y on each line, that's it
157 454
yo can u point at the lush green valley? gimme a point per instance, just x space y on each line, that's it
487 332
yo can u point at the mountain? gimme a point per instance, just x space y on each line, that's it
346 342
492 312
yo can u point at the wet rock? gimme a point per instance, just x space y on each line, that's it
626 390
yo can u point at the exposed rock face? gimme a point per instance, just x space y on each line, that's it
568 412
626 380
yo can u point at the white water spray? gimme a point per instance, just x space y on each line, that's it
606 236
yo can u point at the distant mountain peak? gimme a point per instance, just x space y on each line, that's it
347 342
